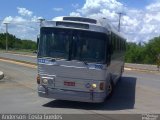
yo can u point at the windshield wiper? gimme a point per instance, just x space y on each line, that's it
85 62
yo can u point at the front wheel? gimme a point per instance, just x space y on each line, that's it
110 89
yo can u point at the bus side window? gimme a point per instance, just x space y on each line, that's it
116 44
108 49
120 42
112 42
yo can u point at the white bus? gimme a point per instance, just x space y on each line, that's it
79 59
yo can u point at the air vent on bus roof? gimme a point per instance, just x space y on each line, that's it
80 19
74 25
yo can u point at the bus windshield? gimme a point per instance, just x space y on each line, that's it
72 44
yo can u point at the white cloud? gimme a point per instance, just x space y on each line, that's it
58 9
154 7
75 14
76 5
21 26
35 18
7 19
147 29
96 6
137 24
24 12
59 18
16 19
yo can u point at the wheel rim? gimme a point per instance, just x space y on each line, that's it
110 88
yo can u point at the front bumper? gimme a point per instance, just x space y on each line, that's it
59 94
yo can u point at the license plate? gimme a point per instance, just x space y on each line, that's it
69 83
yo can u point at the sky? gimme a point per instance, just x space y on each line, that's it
140 21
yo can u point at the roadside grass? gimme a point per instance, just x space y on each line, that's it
20 51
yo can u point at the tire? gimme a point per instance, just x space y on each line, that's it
120 77
110 89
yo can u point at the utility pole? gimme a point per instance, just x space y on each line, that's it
119 23
6 23
41 20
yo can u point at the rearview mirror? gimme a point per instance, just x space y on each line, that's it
37 41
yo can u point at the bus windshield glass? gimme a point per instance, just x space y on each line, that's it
72 44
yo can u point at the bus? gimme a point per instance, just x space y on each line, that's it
79 59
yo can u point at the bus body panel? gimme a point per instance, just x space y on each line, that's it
58 74
94 97
75 79
81 75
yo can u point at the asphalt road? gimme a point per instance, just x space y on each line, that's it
32 59
20 57
135 93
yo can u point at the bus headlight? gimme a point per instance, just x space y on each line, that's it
94 86
45 81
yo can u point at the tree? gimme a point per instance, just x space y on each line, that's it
144 54
153 49
16 43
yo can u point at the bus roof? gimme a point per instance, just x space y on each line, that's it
82 23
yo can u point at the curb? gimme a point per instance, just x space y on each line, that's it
1 75
141 69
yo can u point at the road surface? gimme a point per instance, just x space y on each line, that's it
33 59
19 57
135 93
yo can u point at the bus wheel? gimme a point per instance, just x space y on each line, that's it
120 77
110 89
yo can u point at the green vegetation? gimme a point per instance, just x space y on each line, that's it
143 54
16 43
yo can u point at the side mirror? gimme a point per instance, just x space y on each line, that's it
37 44
37 41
